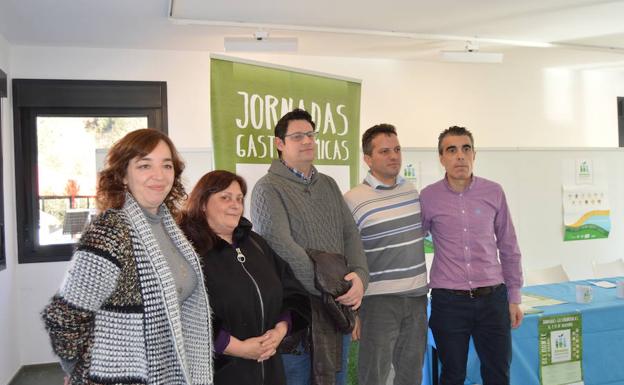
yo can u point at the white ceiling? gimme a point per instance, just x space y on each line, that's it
404 29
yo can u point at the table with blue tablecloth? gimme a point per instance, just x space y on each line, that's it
602 328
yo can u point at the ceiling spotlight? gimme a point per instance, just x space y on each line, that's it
471 54
260 42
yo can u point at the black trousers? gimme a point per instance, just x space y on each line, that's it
455 318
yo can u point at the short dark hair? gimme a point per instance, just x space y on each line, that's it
371 133
282 125
193 218
454 131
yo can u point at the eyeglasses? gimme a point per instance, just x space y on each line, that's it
298 136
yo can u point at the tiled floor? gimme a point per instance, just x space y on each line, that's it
45 374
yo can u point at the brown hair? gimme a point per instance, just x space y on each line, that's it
111 191
193 218
371 133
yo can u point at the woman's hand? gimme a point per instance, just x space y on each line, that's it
250 349
258 348
66 380
273 338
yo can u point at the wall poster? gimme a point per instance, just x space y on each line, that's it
561 349
248 98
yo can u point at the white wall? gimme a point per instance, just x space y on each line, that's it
533 180
544 98
538 97
9 344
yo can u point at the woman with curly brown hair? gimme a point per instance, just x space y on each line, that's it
133 307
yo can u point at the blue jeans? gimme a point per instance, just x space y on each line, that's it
297 366
454 318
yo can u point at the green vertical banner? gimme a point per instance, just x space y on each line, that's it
247 99
561 349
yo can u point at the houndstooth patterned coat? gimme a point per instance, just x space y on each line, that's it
117 317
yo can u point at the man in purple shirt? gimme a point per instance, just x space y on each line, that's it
476 274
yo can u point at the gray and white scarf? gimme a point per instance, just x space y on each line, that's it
185 357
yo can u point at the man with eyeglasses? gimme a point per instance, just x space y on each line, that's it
294 207
476 273
393 315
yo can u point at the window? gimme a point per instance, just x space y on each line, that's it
66 179
63 129
3 94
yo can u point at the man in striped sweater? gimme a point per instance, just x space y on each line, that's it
393 314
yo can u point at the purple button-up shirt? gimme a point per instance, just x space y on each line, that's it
473 236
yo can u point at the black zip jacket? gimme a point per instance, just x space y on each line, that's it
234 299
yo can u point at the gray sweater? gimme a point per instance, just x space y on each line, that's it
182 272
293 215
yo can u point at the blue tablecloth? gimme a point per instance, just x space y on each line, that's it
602 328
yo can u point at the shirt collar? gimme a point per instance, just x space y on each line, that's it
376 184
299 173
468 188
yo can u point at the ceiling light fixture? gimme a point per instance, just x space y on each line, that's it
471 54
260 42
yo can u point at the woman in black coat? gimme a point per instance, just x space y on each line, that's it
254 295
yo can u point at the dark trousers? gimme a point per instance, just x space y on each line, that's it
454 318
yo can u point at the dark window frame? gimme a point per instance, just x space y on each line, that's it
620 110
45 97
3 94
